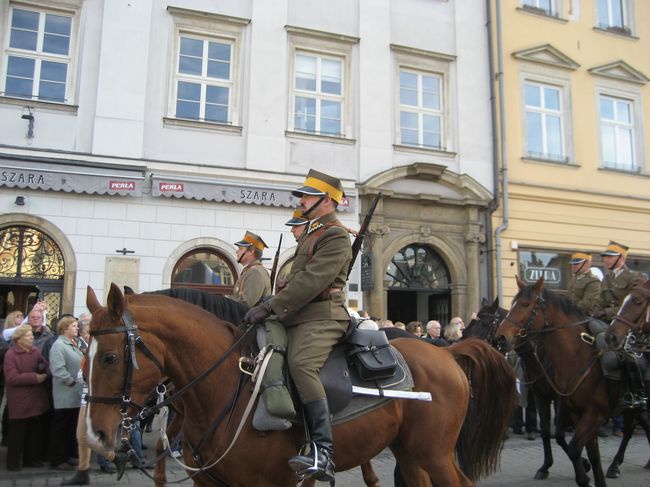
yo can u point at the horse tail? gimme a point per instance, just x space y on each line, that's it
491 405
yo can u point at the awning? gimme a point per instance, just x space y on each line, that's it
71 177
230 191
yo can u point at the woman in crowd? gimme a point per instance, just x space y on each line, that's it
454 330
27 398
12 320
65 362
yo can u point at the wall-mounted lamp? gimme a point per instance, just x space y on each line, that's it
20 201
28 114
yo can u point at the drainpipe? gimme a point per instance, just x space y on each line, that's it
503 157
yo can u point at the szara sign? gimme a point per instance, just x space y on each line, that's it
551 275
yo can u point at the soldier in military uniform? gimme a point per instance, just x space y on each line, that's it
298 224
583 288
616 284
312 307
254 282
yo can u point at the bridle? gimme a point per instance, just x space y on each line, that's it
635 339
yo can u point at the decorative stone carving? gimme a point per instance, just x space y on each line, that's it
426 231
378 229
475 237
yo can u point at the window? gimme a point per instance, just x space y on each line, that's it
612 14
617 133
206 78
420 109
547 7
320 84
544 121
38 55
318 94
551 265
204 269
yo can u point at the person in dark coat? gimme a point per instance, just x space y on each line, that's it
26 373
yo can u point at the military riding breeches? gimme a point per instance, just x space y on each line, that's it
309 346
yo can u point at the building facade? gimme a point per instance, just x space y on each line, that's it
572 77
141 139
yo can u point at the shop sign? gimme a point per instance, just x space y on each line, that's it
551 275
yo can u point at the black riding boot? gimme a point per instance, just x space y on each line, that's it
635 397
319 464
80 478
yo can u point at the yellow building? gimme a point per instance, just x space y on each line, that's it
573 126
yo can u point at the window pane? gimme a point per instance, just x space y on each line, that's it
431 92
219 50
609 144
186 109
305 72
625 150
216 113
51 71
408 80
56 44
408 120
58 24
431 101
57 34
305 114
534 134
409 137
20 77
408 97
20 67
51 91
329 126
430 139
554 137
218 69
603 14
606 109
24 29
551 98
217 94
189 91
219 60
532 95
617 13
191 57
19 87
431 131
331 76
330 117
623 112
546 5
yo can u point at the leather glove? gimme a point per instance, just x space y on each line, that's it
257 314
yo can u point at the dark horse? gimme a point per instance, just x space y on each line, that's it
562 330
484 326
200 353
631 328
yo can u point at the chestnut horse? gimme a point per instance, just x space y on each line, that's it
140 339
553 323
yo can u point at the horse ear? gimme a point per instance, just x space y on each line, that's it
496 303
521 284
539 285
92 303
128 291
484 302
115 301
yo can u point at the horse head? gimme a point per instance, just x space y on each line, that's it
632 317
524 314
486 322
119 380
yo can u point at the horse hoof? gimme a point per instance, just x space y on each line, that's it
613 473
541 475
586 465
647 465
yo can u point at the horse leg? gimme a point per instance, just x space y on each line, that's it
369 475
574 451
643 421
563 421
411 475
160 470
593 452
544 409
613 472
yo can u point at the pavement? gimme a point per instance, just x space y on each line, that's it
520 459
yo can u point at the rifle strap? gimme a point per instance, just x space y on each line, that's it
315 235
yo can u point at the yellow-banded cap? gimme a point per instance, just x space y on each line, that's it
251 239
320 184
579 258
297 219
615 249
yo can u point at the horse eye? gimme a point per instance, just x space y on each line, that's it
109 358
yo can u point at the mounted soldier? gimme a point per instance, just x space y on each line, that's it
614 288
312 308
583 288
254 282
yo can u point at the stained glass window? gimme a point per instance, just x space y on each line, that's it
29 254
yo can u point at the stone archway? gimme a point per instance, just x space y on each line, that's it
427 204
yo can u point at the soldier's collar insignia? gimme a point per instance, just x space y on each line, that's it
313 226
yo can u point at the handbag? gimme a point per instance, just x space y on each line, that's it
371 355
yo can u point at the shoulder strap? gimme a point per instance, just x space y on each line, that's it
316 234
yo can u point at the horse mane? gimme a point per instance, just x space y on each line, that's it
552 298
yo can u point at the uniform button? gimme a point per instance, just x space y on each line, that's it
285 310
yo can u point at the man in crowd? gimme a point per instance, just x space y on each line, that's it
433 334
312 307
583 288
615 286
254 282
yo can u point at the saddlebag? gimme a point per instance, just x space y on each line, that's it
371 355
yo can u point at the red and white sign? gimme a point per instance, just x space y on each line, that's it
171 187
121 185
345 202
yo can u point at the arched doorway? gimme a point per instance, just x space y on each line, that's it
31 267
205 269
418 285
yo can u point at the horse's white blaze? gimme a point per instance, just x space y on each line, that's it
92 350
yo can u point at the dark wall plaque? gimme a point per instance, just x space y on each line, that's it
366 272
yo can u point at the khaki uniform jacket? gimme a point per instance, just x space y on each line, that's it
320 263
614 289
584 291
253 284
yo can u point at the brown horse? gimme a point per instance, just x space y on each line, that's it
553 323
167 337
